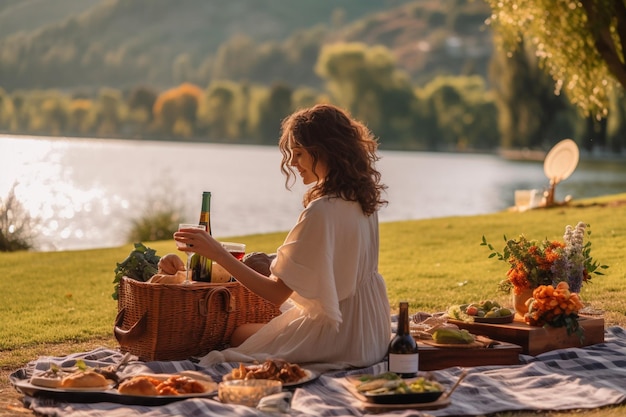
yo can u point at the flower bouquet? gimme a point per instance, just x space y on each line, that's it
556 307
541 266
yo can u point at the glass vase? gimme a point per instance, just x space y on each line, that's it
519 301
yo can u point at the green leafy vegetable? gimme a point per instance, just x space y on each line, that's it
81 365
140 265
391 383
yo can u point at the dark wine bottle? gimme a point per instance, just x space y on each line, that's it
201 266
402 354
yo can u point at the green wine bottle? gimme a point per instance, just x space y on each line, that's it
201 266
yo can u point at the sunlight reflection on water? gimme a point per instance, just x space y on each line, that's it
87 191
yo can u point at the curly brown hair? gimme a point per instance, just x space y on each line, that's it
346 146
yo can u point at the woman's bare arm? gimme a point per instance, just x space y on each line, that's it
270 288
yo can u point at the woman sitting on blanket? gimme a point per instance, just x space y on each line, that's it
327 268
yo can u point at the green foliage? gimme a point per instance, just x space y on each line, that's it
578 43
116 43
155 225
276 107
460 109
530 114
159 218
256 77
222 110
365 80
17 226
141 264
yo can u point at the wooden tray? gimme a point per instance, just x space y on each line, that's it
537 340
432 358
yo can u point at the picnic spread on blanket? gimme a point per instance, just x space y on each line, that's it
574 377
548 352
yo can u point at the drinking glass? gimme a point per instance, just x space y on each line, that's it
238 250
190 252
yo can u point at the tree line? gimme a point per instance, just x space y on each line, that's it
514 108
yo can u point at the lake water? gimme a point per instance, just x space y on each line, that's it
86 192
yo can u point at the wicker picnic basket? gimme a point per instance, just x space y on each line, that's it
176 322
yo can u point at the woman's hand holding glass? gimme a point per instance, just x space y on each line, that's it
187 246
200 241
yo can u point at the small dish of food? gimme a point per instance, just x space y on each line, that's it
247 391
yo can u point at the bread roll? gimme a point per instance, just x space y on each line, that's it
176 278
170 264
84 379
139 385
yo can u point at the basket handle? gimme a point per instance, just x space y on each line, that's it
134 333
208 304
204 305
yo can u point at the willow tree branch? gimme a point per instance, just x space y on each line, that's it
603 41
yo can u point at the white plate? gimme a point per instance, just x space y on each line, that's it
109 394
561 161
28 387
310 376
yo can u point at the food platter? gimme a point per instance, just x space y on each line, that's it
309 376
106 394
418 401
561 160
109 395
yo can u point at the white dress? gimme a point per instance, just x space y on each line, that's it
340 315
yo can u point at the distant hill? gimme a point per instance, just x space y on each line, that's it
430 37
32 15
74 44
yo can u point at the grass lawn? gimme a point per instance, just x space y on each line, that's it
60 302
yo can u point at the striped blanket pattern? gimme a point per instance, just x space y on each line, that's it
565 379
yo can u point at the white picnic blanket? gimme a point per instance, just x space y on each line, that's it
566 379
